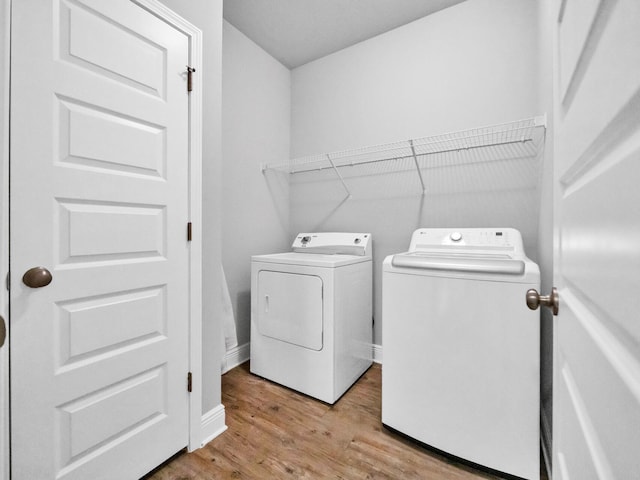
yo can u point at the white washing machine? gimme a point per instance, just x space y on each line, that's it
461 348
311 313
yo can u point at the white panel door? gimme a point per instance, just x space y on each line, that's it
99 197
290 308
596 399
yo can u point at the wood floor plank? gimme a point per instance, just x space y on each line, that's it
276 433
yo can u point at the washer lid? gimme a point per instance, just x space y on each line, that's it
311 259
495 254
460 263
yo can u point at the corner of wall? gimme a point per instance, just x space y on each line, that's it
256 130
212 211
213 424
207 16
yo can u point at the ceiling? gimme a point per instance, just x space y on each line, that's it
298 31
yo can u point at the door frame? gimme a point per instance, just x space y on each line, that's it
195 217
194 35
5 45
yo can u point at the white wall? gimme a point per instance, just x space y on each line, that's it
255 130
207 16
470 65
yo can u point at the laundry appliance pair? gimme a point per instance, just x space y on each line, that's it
461 349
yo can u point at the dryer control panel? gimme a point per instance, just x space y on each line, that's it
344 243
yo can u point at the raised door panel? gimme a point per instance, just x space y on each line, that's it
92 138
83 34
89 329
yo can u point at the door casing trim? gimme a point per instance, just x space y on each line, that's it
195 213
5 28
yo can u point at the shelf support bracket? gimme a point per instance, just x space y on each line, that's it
333 165
415 160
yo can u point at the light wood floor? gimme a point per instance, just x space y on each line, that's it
276 433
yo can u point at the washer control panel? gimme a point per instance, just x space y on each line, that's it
333 243
479 239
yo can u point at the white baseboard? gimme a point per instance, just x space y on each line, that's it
236 356
376 351
545 440
213 424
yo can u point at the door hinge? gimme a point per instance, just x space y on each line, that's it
8 281
190 71
189 382
189 234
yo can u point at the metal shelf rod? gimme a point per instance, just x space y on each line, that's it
384 148
415 160
403 157
339 176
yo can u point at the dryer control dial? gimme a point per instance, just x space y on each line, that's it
455 236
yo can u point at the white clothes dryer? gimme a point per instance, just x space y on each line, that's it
461 369
311 313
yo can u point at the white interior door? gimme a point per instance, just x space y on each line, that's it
99 197
596 404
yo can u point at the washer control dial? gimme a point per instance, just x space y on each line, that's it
455 236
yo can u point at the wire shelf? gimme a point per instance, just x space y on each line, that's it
524 136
